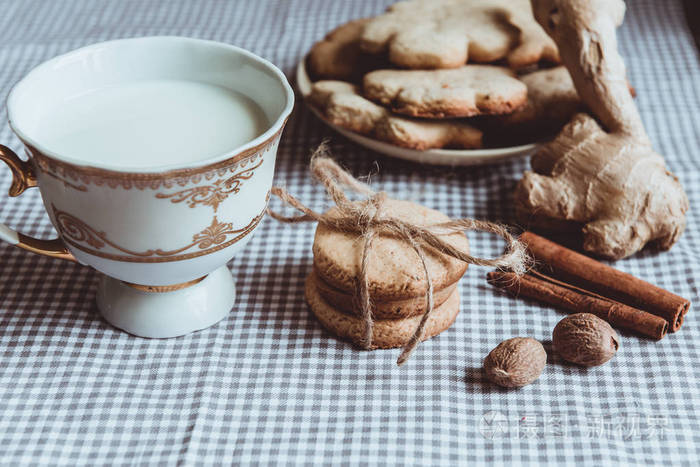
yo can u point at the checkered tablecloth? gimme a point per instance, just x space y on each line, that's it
267 384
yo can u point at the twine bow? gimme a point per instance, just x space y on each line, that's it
367 219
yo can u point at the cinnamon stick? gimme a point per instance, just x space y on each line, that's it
584 272
553 292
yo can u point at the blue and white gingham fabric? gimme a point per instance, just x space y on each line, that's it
268 385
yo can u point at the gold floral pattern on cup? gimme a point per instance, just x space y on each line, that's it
217 236
211 195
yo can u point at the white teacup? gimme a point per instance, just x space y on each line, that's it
154 158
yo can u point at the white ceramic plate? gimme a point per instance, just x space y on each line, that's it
430 156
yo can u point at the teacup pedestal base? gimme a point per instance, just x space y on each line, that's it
167 314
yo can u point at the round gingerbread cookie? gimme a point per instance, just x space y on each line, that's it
386 334
389 309
395 272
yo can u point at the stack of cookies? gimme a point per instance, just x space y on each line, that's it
443 73
397 284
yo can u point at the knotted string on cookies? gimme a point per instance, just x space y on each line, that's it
367 219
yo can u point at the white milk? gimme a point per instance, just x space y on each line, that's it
152 123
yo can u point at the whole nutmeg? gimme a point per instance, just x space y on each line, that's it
515 362
585 339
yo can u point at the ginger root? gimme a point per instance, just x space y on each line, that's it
606 181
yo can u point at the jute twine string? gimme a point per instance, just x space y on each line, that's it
367 219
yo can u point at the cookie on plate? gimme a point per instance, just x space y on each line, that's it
341 104
551 102
395 271
551 99
386 334
338 55
460 92
431 34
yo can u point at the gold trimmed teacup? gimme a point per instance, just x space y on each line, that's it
161 229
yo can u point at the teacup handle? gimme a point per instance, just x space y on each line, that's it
23 177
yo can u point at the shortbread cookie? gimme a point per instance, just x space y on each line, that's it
390 309
461 92
551 102
338 55
431 34
395 271
342 105
551 99
386 334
